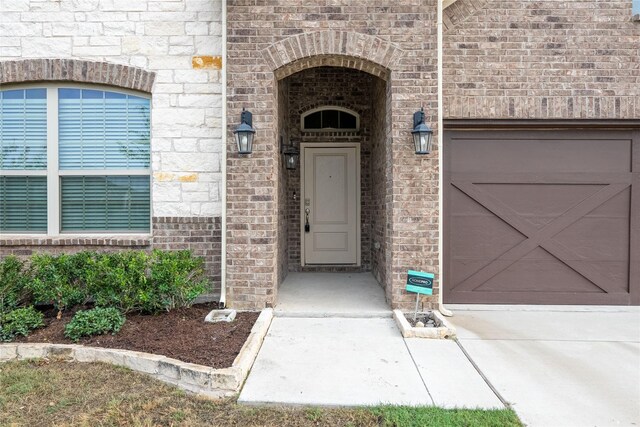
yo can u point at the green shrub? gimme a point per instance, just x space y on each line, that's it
19 322
178 278
13 284
97 321
58 280
122 281
136 281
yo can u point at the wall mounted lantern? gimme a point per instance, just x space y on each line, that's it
421 133
244 133
291 154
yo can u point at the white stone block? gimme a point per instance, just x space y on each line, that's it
210 145
209 45
17 29
85 354
105 16
171 209
161 144
177 116
80 5
9 41
226 379
210 87
203 5
138 61
15 5
199 101
165 6
170 62
12 51
166 192
195 375
191 162
46 16
168 16
32 351
38 47
78 29
210 208
190 76
169 368
181 50
93 50
148 46
169 88
164 28
118 28
8 352
189 145
138 5
142 362
197 28
195 196
112 356
104 41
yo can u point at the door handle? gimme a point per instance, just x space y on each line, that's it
307 227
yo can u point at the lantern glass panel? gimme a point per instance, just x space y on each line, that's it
245 142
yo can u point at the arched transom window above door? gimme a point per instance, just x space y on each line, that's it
329 118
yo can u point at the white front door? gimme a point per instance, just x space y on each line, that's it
330 205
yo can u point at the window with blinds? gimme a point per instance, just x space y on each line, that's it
74 159
23 203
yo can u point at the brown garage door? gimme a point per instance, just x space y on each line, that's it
542 216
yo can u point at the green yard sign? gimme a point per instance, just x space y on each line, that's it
420 282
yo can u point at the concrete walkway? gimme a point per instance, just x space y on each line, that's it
333 343
331 295
577 368
355 361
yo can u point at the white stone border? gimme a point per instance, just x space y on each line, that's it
202 380
445 331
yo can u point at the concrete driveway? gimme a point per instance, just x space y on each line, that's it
558 368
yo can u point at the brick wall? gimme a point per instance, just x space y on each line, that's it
396 41
379 173
543 59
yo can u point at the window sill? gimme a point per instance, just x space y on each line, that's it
76 240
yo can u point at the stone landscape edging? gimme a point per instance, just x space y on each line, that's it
198 379
447 330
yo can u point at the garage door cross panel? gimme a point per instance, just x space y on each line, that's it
536 237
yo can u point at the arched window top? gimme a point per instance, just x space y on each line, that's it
329 118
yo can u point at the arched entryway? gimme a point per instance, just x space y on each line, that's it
384 86
332 212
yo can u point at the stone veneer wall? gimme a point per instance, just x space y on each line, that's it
396 41
542 60
316 87
178 42
170 50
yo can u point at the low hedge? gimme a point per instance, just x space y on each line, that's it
130 281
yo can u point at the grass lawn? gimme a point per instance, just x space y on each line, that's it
38 393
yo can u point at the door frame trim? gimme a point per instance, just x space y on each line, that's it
356 145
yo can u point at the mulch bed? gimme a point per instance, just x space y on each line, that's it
180 334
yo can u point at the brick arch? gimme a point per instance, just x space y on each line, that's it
79 71
460 11
332 48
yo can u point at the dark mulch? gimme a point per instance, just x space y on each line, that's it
180 334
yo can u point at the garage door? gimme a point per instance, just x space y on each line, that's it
542 217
